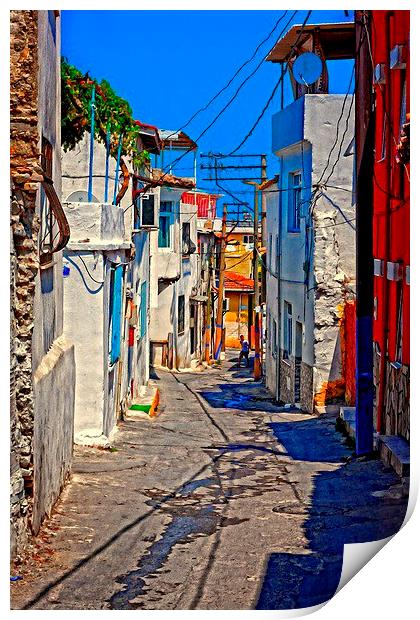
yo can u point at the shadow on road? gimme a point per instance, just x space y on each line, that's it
347 505
245 396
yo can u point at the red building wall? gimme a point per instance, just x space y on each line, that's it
391 209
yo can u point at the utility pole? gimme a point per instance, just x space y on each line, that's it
207 335
259 163
219 317
257 337
264 245
263 202
256 315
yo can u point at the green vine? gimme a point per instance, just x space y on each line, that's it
111 112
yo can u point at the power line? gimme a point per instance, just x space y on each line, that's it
236 73
219 114
343 107
282 74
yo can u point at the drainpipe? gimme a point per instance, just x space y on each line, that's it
108 140
92 142
279 270
387 103
117 169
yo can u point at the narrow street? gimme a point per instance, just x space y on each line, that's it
223 501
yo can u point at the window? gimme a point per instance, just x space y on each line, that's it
181 314
143 309
270 251
165 220
287 335
295 198
248 239
188 247
115 308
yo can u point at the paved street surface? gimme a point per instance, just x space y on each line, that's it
223 501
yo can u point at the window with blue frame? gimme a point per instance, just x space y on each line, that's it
115 309
295 199
143 309
165 221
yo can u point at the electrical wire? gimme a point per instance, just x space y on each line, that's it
282 74
245 256
88 272
231 100
226 86
338 128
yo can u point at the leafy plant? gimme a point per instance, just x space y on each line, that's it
112 113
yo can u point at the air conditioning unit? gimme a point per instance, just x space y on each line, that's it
146 213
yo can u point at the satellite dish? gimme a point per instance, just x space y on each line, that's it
81 196
307 68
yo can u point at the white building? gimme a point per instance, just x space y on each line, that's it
108 262
310 246
176 303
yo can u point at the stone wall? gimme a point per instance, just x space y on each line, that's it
24 254
376 381
333 287
287 383
287 380
306 387
42 362
397 401
396 413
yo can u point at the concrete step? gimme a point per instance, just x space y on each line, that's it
348 415
147 402
395 452
330 409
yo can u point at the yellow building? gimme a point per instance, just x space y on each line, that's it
239 285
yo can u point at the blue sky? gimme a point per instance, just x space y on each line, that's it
168 64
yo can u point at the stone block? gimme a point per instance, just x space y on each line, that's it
395 452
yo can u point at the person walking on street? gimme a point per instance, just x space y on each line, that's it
244 352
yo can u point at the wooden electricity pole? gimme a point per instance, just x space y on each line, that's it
207 336
257 337
219 316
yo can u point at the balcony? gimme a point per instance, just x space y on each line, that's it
95 226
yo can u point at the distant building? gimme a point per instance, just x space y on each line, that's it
239 285
174 272
311 231
42 357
